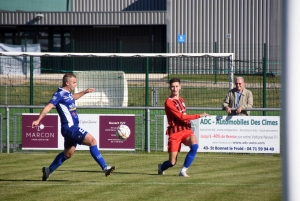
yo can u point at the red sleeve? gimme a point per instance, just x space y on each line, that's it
171 109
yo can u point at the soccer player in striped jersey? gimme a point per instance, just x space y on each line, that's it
179 130
64 101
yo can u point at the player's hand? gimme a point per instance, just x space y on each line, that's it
35 123
89 90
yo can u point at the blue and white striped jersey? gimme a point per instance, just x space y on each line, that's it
65 106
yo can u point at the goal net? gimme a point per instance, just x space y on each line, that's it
117 77
110 88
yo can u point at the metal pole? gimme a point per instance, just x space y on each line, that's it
7 129
148 130
147 104
168 62
31 83
73 50
6 92
231 73
25 59
290 111
265 79
215 63
121 60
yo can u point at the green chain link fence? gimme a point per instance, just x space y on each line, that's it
30 81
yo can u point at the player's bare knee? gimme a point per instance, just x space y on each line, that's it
89 140
172 163
93 142
68 154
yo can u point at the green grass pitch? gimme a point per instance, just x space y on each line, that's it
212 177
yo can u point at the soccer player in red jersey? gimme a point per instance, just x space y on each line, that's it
179 130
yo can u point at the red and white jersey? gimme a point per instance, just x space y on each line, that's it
178 120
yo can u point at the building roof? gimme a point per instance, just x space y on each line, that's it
83 18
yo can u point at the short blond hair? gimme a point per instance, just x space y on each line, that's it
66 78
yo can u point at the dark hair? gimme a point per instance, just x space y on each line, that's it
66 78
174 80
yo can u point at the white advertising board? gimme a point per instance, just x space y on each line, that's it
236 134
90 123
184 148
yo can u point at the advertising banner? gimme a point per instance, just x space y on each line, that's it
108 125
237 134
47 135
43 136
89 123
195 128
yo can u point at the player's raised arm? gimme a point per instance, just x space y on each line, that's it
43 113
169 106
82 93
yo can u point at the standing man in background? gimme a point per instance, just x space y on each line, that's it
179 130
239 98
64 101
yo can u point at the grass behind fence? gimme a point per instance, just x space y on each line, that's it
213 177
205 95
198 91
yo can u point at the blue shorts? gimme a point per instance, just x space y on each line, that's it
73 135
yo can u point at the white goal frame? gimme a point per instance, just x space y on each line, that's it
132 55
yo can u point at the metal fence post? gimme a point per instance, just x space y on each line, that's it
7 129
230 72
31 83
147 104
121 60
73 50
168 62
215 63
265 78
155 96
25 58
148 131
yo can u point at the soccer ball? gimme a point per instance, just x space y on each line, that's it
123 132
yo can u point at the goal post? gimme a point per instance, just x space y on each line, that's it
175 63
109 73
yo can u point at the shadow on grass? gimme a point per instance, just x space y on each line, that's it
115 172
31 180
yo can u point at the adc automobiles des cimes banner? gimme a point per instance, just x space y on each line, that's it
235 134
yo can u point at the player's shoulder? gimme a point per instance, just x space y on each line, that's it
173 101
169 100
62 92
58 94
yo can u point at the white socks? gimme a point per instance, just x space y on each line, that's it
183 169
